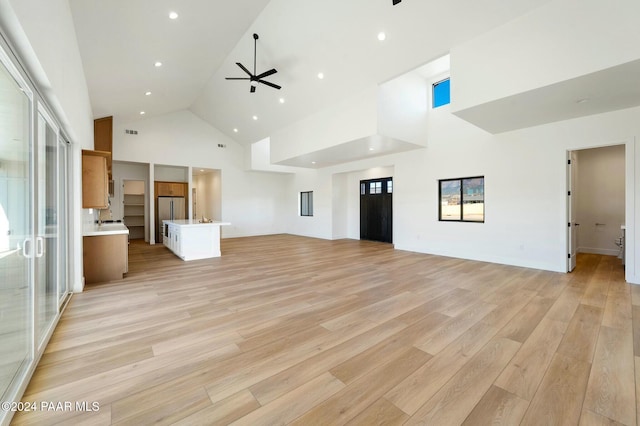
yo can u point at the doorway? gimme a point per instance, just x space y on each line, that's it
596 202
133 197
376 210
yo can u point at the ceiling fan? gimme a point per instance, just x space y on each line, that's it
254 78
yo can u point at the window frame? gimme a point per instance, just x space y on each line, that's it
462 199
306 203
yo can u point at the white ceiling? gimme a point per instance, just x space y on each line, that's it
121 39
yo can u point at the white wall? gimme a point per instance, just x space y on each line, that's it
600 198
550 44
320 224
525 189
402 108
208 195
165 173
254 202
347 120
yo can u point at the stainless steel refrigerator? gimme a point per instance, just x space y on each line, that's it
169 208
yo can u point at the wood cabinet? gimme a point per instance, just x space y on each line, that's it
103 139
170 189
105 257
95 180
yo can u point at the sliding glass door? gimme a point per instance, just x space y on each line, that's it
34 227
16 232
46 254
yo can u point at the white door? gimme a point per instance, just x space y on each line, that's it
571 204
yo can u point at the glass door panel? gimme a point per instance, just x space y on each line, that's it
46 242
16 243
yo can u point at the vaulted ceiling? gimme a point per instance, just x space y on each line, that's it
120 40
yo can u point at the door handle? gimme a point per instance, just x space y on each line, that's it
27 253
576 224
39 246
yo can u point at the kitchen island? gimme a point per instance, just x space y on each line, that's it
190 239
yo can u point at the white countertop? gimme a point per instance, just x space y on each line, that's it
195 222
95 230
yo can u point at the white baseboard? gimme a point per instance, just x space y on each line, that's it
592 250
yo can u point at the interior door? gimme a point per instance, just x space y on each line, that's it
572 227
376 211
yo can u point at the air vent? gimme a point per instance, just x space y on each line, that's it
131 132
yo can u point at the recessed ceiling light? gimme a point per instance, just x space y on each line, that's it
313 162
142 113
382 36
235 130
370 149
147 93
173 15
320 75
158 64
255 117
281 100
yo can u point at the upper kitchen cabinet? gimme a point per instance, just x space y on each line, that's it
171 189
95 180
103 139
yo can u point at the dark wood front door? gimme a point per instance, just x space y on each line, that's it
376 210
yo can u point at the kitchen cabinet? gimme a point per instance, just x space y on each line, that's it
103 139
105 257
95 180
170 189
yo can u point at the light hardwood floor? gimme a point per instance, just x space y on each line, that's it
285 329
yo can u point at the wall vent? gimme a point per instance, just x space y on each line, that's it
131 132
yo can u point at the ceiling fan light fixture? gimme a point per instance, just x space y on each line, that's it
253 77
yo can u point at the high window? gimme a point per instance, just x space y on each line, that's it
441 93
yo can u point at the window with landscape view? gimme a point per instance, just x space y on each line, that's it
461 199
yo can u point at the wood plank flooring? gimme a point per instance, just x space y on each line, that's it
292 330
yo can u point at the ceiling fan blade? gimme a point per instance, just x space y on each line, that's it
266 73
253 89
237 78
275 86
244 69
